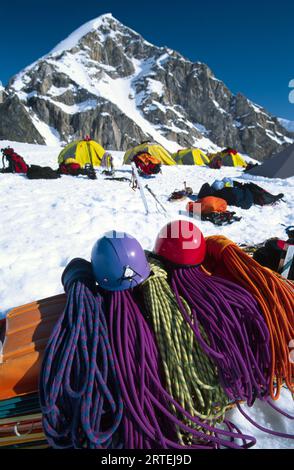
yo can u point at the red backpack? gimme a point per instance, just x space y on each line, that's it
216 162
147 164
16 163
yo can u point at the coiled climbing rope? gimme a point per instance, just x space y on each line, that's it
274 296
192 379
79 393
149 420
238 339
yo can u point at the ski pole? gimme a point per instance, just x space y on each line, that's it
136 176
155 197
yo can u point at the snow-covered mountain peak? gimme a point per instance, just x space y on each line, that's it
73 39
106 80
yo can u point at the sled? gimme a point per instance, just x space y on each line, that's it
24 335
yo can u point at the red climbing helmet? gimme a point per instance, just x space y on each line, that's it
181 242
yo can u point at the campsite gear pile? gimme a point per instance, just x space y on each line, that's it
82 152
17 164
242 195
212 209
180 195
147 164
148 351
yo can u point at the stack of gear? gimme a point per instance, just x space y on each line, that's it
248 348
22 354
147 355
74 169
147 164
16 164
153 416
242 195
213 209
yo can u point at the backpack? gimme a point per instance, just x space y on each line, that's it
147 164
213 209
70 169
262 197
216 163
209 204
36 172
16 163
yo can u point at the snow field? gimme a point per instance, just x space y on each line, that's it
46 223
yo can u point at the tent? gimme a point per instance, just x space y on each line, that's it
82 152
154 149
190 156
230 157
280 165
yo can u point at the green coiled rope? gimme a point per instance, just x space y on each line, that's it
191 377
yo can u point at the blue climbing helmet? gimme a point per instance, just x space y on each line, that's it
119 261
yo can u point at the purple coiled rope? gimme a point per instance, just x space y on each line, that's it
79 392
238 338
148 422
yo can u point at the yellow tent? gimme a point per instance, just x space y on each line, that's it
154 149
229 158
190 157
82 152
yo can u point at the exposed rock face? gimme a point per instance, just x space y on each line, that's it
107 81
15 122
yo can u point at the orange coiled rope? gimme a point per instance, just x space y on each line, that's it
274 295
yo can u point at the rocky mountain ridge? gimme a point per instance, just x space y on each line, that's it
107 81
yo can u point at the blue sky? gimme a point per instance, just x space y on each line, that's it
248 44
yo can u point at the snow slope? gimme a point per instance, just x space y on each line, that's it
56 220
44 224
